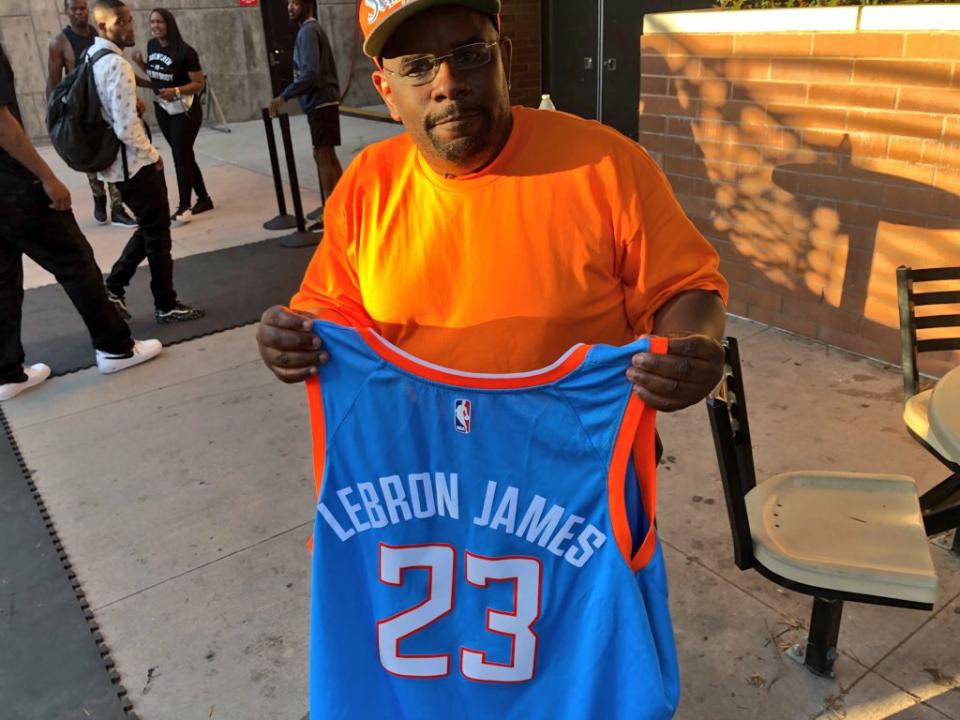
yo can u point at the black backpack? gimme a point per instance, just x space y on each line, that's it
79 133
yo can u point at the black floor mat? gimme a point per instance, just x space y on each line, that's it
53 663
234 287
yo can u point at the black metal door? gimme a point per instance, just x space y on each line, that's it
619 76
280 33
570 55
597 75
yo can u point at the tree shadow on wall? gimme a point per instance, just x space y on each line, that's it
797 241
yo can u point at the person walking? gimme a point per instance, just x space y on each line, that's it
316 87
173 67
36 221
66 48
138 170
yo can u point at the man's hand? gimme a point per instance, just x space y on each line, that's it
141 107
57 192
159 164
167 93
137 57
688 372
288 346
275 106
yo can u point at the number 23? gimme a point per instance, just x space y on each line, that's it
439 561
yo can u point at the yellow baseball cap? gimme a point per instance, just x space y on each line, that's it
380 18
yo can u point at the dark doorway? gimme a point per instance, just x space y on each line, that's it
280 33
591 56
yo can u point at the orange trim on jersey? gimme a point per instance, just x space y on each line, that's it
318 428
658 344
645 464
616 492
477 381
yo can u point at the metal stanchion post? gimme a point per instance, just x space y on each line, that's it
302 237
282 221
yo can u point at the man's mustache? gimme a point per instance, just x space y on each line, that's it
452 113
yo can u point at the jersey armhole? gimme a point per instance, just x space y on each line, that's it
635 438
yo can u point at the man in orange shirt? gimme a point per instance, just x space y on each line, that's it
490 239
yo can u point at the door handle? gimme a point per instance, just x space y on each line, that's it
588 63
610 64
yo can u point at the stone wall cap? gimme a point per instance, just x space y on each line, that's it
874 18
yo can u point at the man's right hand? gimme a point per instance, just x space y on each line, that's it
288 345
57 192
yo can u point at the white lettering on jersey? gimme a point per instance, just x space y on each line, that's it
448 495
421 496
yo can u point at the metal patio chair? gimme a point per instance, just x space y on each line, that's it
940 504
840 537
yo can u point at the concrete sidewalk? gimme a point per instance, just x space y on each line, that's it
182 491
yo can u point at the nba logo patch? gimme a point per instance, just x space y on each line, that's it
461 416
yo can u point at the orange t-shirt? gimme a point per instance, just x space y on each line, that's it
571 235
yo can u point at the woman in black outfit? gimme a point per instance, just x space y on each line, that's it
174 71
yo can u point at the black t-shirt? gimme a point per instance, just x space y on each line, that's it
12 173
168 68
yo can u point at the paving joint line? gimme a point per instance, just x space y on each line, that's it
204 565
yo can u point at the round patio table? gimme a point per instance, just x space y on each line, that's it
945 413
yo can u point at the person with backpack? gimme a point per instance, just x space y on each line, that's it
36 221
66 49
136 168
173 67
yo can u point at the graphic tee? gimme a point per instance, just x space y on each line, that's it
473 548
169 68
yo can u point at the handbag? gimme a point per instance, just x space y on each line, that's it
176 107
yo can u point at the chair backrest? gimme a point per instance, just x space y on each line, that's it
909 299
727 407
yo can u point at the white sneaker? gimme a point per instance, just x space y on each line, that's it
180 217
141 351
36 374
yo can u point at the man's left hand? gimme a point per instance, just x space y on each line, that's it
167 93
275 106
141 107
684 376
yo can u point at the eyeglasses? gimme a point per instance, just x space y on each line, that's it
422 69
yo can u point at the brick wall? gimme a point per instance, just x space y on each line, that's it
521 22
816 162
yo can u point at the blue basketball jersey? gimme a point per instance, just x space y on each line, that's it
483 547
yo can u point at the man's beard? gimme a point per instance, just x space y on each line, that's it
462 148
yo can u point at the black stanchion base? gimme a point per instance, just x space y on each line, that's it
300 239
315 214
316 227
280 222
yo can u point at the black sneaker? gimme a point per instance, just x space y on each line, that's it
179 313
100 210
181 216
120 218
120 303
202 205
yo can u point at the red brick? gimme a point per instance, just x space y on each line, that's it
679 126
903 72
653 123
653 85
773 44
765 91
784 321
899 122
656 105
933 45
822 313
809 70
745 69
801 116
921 201
764 298
869 145
655 44
855 343
709 44
873 96
923 100
877 45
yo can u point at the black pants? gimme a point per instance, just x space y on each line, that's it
28 226
146 195
181 132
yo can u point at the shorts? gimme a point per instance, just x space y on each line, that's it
324 126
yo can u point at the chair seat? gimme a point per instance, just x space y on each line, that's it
916 417
850 532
